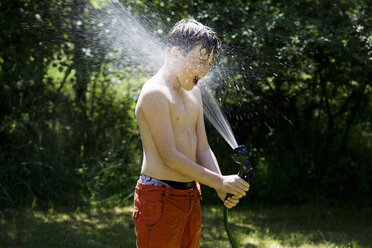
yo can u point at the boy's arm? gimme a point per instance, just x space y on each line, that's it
155 107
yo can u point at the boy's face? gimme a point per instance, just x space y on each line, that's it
194 66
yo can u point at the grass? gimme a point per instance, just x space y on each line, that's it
80 228
257 226
290 226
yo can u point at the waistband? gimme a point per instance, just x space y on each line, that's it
162 189
168 183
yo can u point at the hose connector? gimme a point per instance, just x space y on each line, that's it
240 156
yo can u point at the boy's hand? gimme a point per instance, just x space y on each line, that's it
234 185
230 202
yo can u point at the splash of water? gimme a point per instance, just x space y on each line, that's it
127 35
213 112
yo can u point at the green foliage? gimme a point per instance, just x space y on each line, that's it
67 135
297 94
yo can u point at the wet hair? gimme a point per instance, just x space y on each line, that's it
187 33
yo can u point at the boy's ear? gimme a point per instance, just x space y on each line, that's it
203 54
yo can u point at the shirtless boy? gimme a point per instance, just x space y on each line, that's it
176 153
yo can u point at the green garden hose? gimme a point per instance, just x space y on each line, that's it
227 227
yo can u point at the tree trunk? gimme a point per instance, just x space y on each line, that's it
82 77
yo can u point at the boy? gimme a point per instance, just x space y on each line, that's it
176 152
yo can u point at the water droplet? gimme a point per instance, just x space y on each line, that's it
38 17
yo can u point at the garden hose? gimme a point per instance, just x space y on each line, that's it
227 227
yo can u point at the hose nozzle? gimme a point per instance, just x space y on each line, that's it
240 156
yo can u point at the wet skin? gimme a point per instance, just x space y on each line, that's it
170 118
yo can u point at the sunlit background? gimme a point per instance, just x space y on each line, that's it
292 84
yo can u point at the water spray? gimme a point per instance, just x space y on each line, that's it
239 153
240 156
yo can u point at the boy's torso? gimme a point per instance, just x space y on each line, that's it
184 109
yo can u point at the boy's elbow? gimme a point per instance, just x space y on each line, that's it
202 152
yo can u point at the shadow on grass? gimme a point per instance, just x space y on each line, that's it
214 233
89 228
289 226
254 226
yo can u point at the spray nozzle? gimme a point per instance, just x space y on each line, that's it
240 156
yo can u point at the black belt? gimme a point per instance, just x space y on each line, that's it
179 185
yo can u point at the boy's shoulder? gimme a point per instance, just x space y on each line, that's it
153 88
153 93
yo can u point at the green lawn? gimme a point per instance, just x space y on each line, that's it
252 227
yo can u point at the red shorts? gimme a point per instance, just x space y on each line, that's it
167 218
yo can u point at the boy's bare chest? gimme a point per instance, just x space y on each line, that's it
184 110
